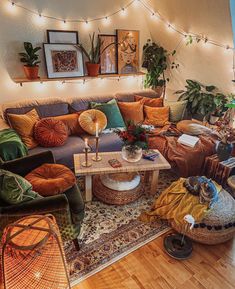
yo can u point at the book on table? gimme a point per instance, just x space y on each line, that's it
188 140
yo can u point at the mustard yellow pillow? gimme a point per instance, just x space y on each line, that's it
157 116
132 111
89 118
23 124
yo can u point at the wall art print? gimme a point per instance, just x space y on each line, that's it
108 57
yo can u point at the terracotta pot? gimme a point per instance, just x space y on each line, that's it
93 68
158 90
31 72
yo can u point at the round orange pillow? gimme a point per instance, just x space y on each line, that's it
51 179
50 132
89 118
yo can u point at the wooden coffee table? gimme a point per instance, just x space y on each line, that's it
151 169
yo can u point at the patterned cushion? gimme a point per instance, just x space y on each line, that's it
51 179
50 132
89 118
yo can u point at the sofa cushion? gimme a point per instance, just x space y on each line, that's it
89 118
71 122
192 127
157 116
132 111
77 104
153 102
64 154
130 96
51 179
177 109
24 125
14 189
112 112
50 132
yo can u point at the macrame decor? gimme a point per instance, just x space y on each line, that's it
32 255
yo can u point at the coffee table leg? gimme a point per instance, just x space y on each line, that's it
154 182
88 188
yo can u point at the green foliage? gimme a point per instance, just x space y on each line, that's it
93 55
203 99
30 56
155 61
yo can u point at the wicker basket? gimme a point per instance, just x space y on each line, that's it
114 197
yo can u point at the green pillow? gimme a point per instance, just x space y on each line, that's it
177 109
14 189
112 112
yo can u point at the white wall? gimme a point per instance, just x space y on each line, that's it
205 63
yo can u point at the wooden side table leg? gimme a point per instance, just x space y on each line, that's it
88 188
146 177
154 182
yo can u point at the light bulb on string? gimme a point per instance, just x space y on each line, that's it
106 20
123 12
39 19
11 7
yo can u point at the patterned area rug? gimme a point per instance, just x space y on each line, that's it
111 232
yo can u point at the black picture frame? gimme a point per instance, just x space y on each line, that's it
72 33
113 39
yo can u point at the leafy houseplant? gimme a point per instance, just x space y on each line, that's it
134 139
155 61
93 55
204 100
30 58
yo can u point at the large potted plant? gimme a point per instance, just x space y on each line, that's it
93 55
30 58
203 100
155 61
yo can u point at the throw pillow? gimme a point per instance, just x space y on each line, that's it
50 132
132 111
89 118
157 116
51 179
24 124
177 109
14 189
153 102
71 122
192 127
112 112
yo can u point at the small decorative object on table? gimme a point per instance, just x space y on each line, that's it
226 135
86 151
134 138
96 158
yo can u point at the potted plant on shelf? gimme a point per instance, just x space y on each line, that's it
155 61
203 101
134 138
30 58
93 56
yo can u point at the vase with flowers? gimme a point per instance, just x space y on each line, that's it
226 134
134 138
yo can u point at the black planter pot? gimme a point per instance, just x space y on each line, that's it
224 151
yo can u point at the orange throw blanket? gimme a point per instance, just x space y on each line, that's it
188 161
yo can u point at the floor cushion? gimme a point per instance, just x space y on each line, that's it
51 179
89 118
24 124
157 116
217 226
192 127
50 132
132 111
153 102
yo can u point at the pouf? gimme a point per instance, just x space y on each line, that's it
219 224
117 197
89 118
50 132
51 179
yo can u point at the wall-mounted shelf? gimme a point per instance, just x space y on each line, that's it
64 80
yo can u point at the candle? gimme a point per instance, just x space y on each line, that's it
86 143
96 129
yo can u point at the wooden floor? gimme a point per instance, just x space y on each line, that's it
150 268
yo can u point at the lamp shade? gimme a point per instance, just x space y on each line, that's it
33 256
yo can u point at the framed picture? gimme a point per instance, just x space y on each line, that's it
62 36
63 60
108 57
128 51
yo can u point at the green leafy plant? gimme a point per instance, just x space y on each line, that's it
30 56
94 53
203 99
155 61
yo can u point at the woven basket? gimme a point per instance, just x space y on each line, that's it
218 226
114 197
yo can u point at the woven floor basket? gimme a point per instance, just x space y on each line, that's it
220 219
114 197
